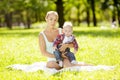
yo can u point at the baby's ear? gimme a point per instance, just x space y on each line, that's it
72 31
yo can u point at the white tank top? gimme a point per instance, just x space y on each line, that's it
49 45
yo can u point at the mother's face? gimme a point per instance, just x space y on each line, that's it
51 19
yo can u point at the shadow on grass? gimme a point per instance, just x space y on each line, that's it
67 72
93 33
20 33
100 33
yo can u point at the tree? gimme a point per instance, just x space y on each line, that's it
7 9
117 5
87 4
60 9
93 12
114 6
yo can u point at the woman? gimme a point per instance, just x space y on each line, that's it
46 39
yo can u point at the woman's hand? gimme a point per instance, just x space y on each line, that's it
63 47
63 56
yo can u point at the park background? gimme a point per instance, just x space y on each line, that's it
96 26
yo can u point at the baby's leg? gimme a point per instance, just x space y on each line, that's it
58 57
57 54
70 56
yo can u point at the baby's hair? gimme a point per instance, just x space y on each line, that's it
67 24
51 12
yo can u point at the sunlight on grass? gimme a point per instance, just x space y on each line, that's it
96 46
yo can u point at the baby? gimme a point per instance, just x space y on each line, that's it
65 38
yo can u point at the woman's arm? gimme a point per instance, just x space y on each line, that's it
43 47
64 46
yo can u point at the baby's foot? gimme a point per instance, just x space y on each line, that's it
60 63
74 62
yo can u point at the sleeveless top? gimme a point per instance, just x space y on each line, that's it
49 45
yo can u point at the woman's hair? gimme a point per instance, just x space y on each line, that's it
51 12
67 24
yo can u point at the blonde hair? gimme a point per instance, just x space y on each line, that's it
51 12
67 24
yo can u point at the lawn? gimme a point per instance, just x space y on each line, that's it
96 46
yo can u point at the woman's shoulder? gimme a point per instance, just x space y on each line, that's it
41 34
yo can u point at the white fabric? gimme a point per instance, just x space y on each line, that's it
67 39
42 66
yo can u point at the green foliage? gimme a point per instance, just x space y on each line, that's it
97 46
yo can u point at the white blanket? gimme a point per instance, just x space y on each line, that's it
42 66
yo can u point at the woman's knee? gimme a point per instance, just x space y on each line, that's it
52 64
67 63
49 64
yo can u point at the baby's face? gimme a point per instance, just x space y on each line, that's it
67 31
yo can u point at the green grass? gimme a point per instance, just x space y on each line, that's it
97 46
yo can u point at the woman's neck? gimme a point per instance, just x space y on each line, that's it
50 28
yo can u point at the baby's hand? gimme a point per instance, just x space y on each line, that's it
63 56
75 51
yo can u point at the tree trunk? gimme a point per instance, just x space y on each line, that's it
78 14
60 10
118 17
0 23
8 20
36 16
93 11
88 17
88 12
116 4
113 16
28 22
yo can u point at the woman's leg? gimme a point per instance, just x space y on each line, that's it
53 64
67 63
70 56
